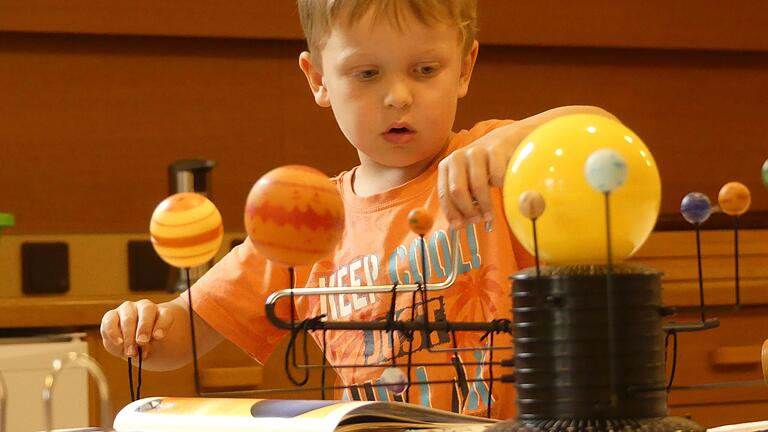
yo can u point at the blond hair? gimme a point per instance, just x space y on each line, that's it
317 16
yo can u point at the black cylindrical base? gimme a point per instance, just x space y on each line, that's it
661 424
565 367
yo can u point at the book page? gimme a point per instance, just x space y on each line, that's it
266 415
760 426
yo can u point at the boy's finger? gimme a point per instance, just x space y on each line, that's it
477 167
145 351
127 312
110 332
458 189
162 323
147 313
451 212
498 159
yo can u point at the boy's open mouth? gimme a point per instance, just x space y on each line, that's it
399 135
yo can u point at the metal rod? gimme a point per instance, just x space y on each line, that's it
701 277
486 348
693 327
611 306
305 389
322 373
355 366
424 294
736 257
424 311
377 289
402 326
93 368
704 386
382 289
192 332
536 249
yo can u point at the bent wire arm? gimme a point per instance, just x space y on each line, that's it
379 289
94 370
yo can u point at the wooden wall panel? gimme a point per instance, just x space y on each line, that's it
700 113
681 24
688 24
257 19
90 118
89 124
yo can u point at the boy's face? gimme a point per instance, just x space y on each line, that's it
393 91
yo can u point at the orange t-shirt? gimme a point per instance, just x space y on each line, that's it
377 248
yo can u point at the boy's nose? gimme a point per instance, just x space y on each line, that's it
398 96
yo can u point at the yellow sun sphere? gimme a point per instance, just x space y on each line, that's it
572 230
186 230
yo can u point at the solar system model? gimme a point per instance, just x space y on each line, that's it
582 194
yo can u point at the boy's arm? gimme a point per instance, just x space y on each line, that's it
466 175
162 330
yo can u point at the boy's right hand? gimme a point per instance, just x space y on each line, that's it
134 324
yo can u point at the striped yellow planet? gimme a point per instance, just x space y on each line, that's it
186 230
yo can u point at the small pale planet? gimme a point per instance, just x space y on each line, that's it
394 380
734 198
420 221
531 204
605 170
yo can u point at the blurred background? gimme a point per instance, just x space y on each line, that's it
98 98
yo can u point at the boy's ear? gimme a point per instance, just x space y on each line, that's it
314 78
467 65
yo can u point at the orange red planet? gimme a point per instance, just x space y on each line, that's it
294 215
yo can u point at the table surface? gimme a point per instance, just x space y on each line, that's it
63 311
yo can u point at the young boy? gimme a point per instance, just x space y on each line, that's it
392 71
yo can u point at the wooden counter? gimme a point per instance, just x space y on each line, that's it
63 311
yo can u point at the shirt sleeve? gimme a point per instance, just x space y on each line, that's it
231 296
483 127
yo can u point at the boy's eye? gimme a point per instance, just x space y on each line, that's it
426 70
367 74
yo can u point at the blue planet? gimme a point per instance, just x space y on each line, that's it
696 208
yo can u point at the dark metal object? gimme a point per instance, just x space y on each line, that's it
190 175
661 424
563 352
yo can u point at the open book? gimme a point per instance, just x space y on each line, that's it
761 426
268 415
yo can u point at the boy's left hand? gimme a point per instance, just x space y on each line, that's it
466 176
